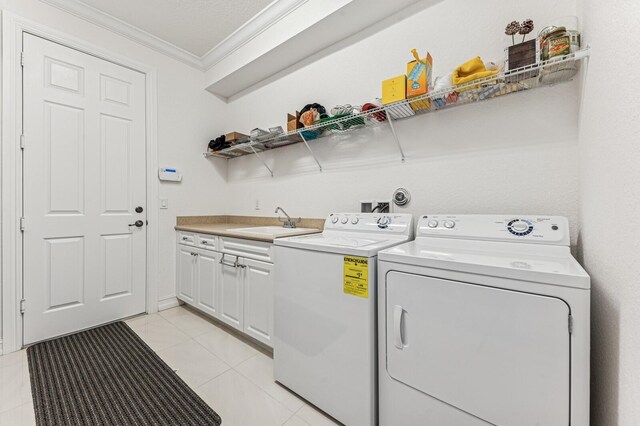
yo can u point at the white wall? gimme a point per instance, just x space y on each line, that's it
187 118
610 201
515 154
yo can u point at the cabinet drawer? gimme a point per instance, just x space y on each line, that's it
207 242
258 250
187 238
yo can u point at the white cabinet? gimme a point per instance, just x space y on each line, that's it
229 279
197 278
207 265
258 300
186 274
231 291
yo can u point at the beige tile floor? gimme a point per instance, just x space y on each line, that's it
232 376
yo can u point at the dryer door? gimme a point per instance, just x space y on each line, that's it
500 355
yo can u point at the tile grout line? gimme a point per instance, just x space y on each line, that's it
293 412
251 383
234 368
221 360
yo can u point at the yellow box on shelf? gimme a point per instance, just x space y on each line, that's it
419 74
394 89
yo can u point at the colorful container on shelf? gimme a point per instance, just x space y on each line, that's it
414 84
419 75
394 89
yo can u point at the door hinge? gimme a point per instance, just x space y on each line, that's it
23 303
22 224
570 324
22 59
22 141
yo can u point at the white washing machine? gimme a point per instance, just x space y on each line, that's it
325 312
484 320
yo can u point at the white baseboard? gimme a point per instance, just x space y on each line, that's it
168 303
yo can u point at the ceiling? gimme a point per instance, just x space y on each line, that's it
240 43
195 26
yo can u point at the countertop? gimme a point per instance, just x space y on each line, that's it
225 225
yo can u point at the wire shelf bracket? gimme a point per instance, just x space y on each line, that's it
264 163
395 137
310 150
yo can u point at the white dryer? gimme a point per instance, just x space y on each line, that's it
325 312
484 320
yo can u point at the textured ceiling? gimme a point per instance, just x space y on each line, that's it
193 25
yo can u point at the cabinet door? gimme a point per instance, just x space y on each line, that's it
207 281
185 274
231 291
258 300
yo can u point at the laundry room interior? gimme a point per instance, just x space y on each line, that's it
305 212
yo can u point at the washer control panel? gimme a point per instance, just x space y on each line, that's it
524 228
397 223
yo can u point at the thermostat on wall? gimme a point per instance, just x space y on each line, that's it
169 174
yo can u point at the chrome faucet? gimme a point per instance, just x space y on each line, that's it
289 223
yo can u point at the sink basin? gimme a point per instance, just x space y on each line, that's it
271 230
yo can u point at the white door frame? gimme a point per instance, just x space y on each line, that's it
13 27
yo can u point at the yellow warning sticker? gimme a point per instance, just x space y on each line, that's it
356 276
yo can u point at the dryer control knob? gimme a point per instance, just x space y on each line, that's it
432 224
355 220
383 222
344 220
334 219
520 226
449 224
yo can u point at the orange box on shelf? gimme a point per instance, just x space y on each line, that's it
419 74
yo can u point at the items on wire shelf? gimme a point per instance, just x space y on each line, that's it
553 57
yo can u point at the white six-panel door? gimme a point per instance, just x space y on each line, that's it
84 176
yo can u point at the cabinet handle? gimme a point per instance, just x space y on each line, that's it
233 265
204 243
185 238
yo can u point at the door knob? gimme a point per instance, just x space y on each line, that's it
137 223
139 209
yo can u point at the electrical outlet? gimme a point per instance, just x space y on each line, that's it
164 203
257 206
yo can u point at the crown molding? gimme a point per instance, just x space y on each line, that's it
270 15
109 22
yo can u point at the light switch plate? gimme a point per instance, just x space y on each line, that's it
164 203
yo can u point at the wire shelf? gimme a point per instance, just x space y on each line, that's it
331 126
544 73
